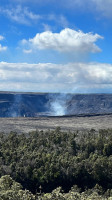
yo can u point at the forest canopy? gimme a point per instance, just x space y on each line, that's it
66 164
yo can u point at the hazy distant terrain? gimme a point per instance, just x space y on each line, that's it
24 112
53 104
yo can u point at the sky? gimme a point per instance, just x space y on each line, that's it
56 46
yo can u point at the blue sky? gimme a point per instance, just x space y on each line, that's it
56 46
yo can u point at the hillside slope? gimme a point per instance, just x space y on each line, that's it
14 104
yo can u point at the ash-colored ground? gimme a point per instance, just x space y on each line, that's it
72 123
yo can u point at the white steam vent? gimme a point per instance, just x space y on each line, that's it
58 104
58 108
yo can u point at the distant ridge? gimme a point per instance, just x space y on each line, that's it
30 104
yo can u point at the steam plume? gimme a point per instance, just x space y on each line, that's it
58 104
15 108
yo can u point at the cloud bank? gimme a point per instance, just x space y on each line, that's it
49 77
67 40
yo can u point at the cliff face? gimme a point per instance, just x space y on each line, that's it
90 104
44 104
22 104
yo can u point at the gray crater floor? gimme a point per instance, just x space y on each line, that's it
25 125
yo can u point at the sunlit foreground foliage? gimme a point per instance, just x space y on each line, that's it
73 195
11 190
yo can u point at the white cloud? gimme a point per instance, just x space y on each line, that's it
20 15
23 15
1 37
102 6
27 51
61 20
3 48
105 7
49 77
67 40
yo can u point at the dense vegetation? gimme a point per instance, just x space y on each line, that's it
11 190
54 159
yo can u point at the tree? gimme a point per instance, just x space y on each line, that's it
11 190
